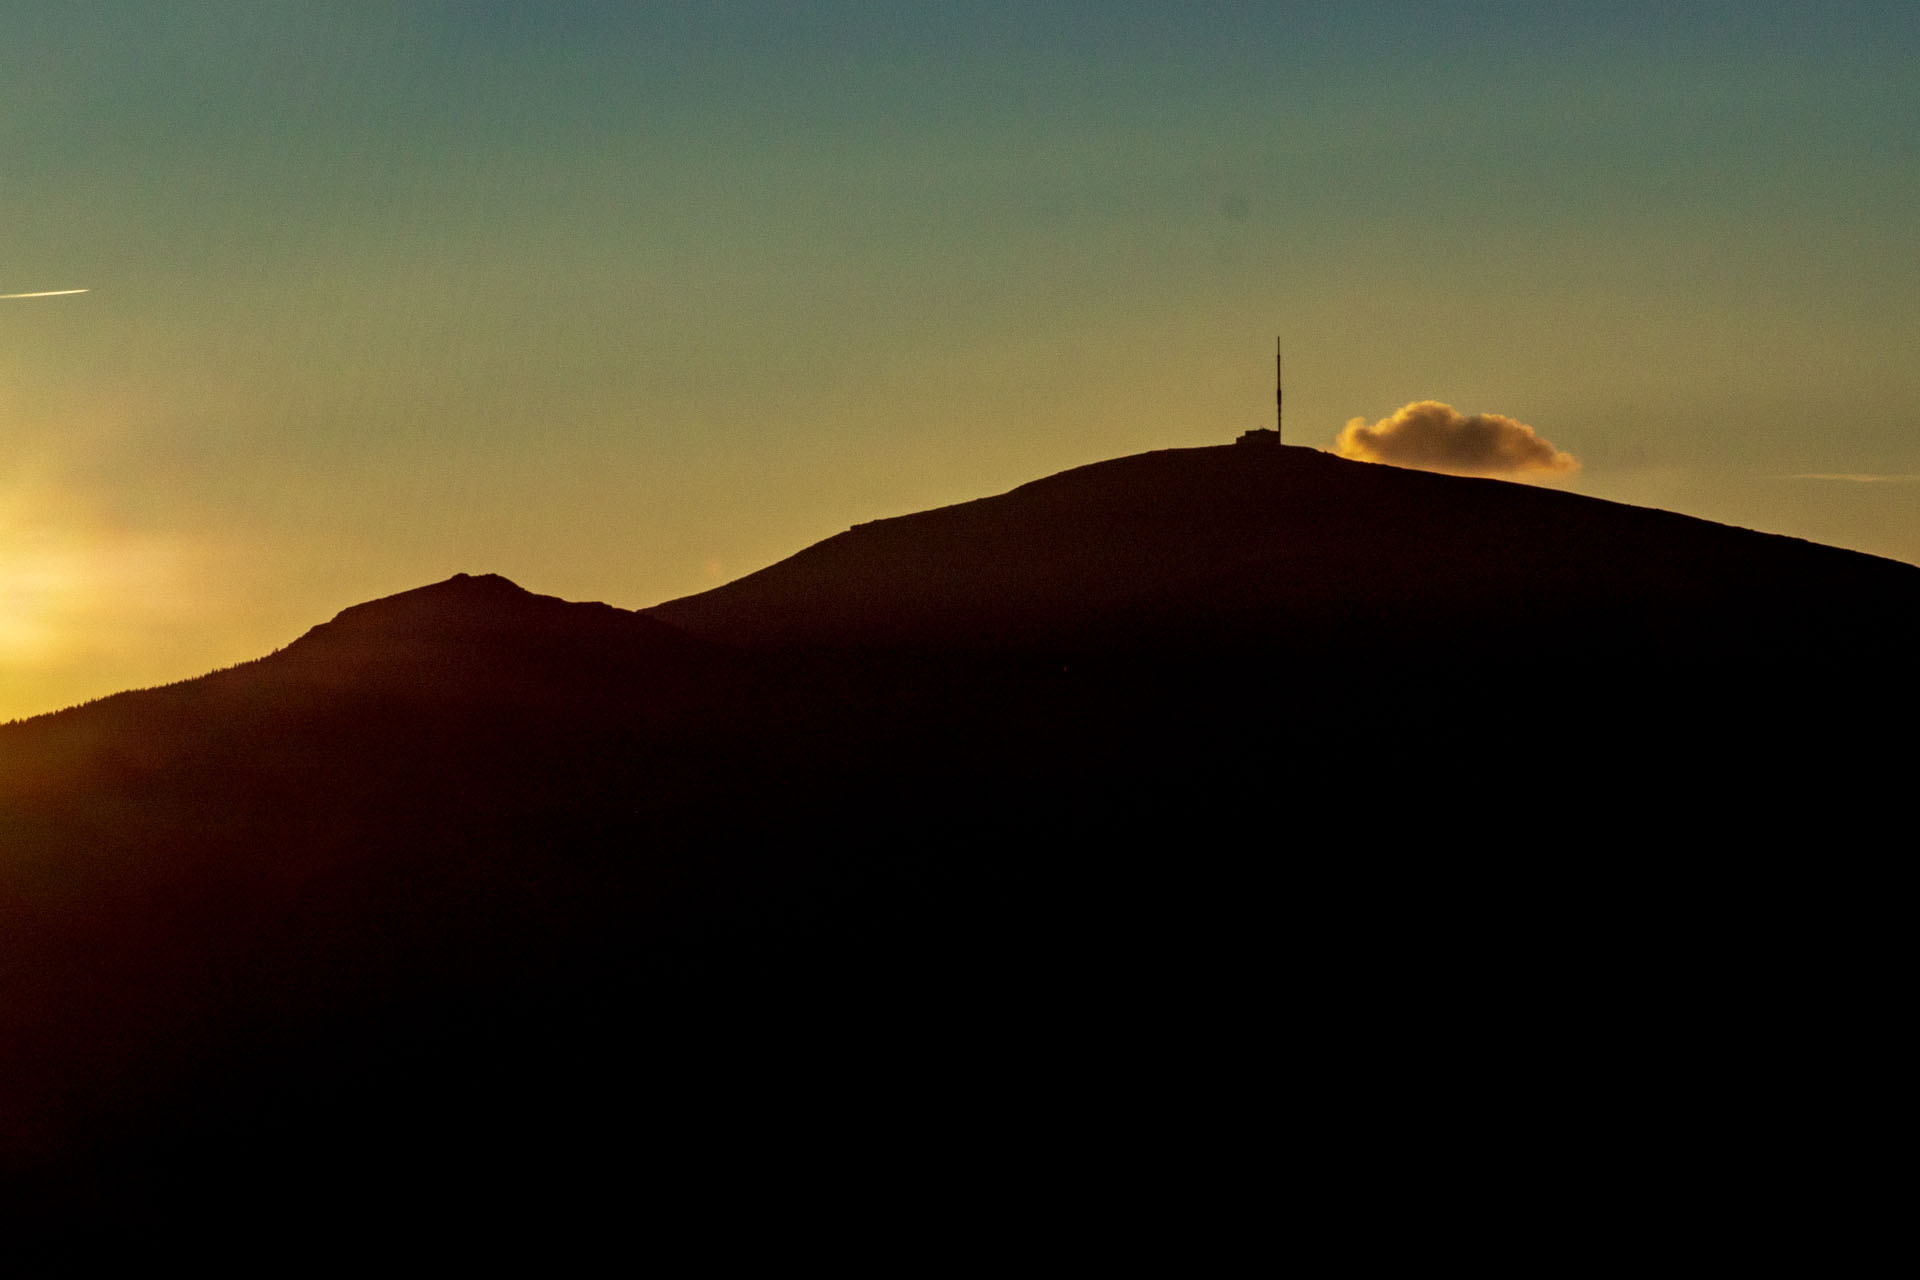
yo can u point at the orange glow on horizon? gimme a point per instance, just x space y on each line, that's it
77 589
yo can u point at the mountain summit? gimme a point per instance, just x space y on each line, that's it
1293 553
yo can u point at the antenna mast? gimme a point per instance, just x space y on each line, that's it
1279 403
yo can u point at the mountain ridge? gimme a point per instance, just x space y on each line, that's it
476 603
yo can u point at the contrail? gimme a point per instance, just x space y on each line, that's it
50 293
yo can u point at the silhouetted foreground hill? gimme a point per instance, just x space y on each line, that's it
1005 863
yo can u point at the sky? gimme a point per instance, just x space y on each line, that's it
623 301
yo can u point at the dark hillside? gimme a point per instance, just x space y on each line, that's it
1035 844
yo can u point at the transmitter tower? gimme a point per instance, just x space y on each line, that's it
1270 436
1279 395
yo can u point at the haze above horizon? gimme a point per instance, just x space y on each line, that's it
622 304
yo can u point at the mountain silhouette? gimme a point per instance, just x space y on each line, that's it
1371 608
1238 547
1047 831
